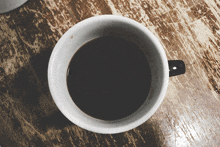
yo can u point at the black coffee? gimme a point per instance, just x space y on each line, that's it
109 78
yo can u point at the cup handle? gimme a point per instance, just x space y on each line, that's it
176 67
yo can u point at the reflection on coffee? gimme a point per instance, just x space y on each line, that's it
109 78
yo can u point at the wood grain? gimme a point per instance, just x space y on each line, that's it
188 31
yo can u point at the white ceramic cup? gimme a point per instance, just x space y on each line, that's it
8 5
90 29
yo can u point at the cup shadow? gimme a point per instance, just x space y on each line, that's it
152 133
147 135
32 97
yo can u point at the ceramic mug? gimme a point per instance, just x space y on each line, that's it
110 25
8 5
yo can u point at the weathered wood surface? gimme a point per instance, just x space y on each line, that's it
187 29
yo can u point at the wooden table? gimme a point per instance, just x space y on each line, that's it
188 31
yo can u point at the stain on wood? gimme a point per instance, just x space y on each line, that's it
187 29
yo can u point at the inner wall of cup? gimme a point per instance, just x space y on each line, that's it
81 34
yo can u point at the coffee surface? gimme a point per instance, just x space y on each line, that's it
109 78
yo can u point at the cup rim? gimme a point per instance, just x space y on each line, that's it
113 129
